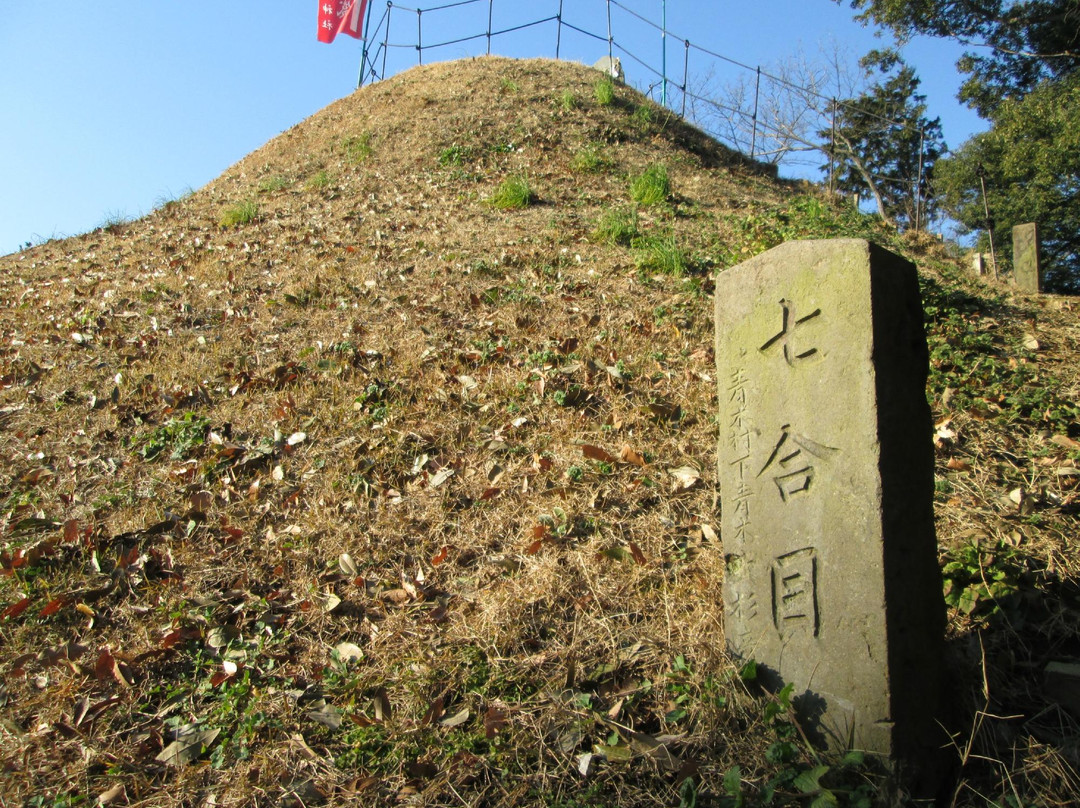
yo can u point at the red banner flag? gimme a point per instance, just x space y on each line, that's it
340 17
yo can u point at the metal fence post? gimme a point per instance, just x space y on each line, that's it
419 36
558 30
663 54
685 74
753 118
609 38
832 149
364 50
490 4
386 38
918 182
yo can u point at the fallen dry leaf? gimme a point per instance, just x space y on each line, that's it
117 795
596 453
495 720
190 744
15 609
107 667
434 713
1065 442
441 476
685 476
397 596
348 651
942 432
347 565
201 501
456 720
383 711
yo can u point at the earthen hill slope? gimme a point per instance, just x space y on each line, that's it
343 479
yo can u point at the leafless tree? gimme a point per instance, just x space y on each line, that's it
775 115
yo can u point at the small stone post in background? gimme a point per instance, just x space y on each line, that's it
978 264
1026 271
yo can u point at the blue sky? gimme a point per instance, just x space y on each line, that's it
113 107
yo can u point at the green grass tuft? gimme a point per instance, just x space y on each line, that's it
568 101
358 148
643 116
591 160
617 226
242 213
319 182
455 155
270 184
114 221
604 91
660 254
651 187
513 194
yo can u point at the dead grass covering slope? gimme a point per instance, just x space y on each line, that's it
380 492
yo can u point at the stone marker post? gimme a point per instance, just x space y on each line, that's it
1025 238
826 482
978 264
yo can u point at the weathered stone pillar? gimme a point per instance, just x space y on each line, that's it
826 482
1026 271
978 264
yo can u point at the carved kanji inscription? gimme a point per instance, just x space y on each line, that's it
791 464
794 593
784 339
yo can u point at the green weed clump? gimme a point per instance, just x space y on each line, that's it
805 216
643 116
242 213
617 226
271 184
966 357
660 254
807 776
177 436
358 148
319 182
513 193
591 160
604 91
455 156
651 187
980 577
568 101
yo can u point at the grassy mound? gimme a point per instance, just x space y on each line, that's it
339 479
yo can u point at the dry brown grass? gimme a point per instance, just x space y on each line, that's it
442 433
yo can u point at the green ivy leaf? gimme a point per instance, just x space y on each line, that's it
807 782
733 781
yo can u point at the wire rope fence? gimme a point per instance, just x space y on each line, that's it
765 115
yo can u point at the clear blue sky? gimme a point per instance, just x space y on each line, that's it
109 108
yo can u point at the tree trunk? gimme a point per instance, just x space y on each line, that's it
850 154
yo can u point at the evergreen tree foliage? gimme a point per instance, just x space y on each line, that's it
882 143
1029 162
1024 77
1016 44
